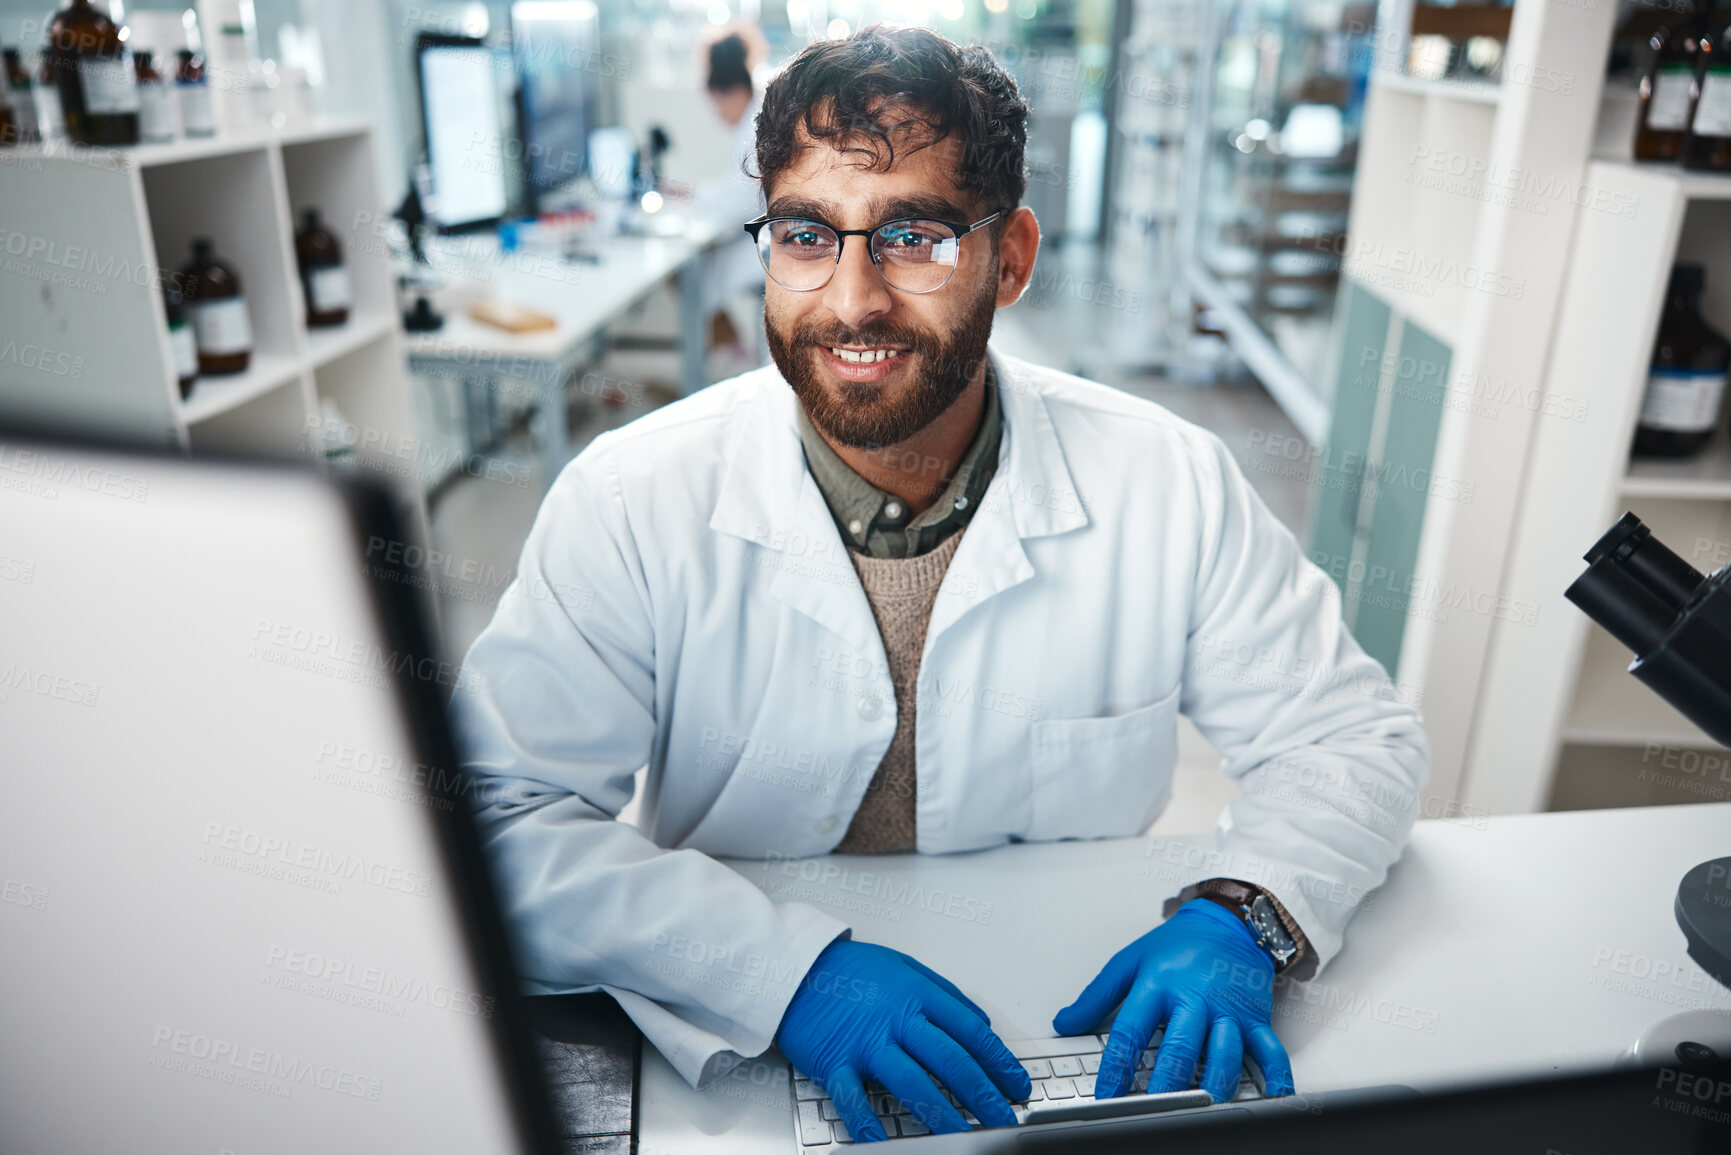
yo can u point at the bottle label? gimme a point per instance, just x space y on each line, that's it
110 86
1668 110
1713 110
50 114
185 348
197 116
24 106
329 289
1682 400
222 326
156 114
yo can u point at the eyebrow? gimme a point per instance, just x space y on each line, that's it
880 210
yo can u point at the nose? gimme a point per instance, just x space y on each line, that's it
857 294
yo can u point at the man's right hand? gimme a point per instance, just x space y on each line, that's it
865 1010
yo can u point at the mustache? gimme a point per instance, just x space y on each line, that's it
869 335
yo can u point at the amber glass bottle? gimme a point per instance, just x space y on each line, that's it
157 119
197 115
1708 145
1686 384
1668 90
98 89
221 324
324 277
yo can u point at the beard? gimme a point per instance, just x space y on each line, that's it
877 415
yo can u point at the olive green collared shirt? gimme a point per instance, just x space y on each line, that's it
877 523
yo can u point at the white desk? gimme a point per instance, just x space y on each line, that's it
1505 947
582 298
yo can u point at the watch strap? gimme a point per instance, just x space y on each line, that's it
1239 897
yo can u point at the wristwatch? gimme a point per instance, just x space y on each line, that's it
1256 909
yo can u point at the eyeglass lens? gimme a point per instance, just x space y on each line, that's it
914 256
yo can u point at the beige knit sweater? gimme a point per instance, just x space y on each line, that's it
902 592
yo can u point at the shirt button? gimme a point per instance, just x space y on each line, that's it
854 526
893 510
961 503
827 825
870 708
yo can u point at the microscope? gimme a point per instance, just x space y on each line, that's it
1677 622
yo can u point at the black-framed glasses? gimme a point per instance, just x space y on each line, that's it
913 255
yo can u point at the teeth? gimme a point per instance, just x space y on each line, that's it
865 356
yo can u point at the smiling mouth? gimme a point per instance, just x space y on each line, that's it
864 356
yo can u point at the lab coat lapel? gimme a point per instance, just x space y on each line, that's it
1031 495
769 497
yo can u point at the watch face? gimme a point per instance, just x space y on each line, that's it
1269 931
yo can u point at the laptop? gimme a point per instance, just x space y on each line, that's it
243 907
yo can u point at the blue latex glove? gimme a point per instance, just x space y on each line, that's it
866 1010
1201 973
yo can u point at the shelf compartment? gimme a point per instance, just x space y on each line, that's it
214 396
1703 478
1612 708
272 422
376 418
327 345
1600 777
1475 91
236 200
333 173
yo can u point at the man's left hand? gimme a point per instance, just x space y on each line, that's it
1201 974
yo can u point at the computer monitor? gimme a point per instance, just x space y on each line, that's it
556 45
244 907
467 152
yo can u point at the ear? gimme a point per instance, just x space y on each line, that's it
1018 245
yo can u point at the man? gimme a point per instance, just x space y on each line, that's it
770 592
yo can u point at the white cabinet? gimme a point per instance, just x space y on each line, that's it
89 237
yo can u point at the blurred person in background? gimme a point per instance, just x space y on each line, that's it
734 284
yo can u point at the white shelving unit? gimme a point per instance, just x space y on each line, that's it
104 229
1456 253
1576 699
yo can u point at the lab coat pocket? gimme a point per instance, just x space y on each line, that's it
1103 777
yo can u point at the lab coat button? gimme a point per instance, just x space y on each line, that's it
827 825
870 708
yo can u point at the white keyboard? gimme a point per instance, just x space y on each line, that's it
1062 1073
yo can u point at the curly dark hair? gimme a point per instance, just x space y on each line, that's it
885 86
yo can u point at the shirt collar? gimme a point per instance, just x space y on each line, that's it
876 522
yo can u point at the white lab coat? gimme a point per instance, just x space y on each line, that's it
684 601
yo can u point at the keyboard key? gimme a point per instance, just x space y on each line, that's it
841 1135
889 1126
1067 1067
1084 1086
1049 1048
884 1104
1060 1089
806 1089
812 1128
1091 1064
1036 1094
1038 1069
830 1114
912 1126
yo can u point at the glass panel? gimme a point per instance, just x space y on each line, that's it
1288 98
